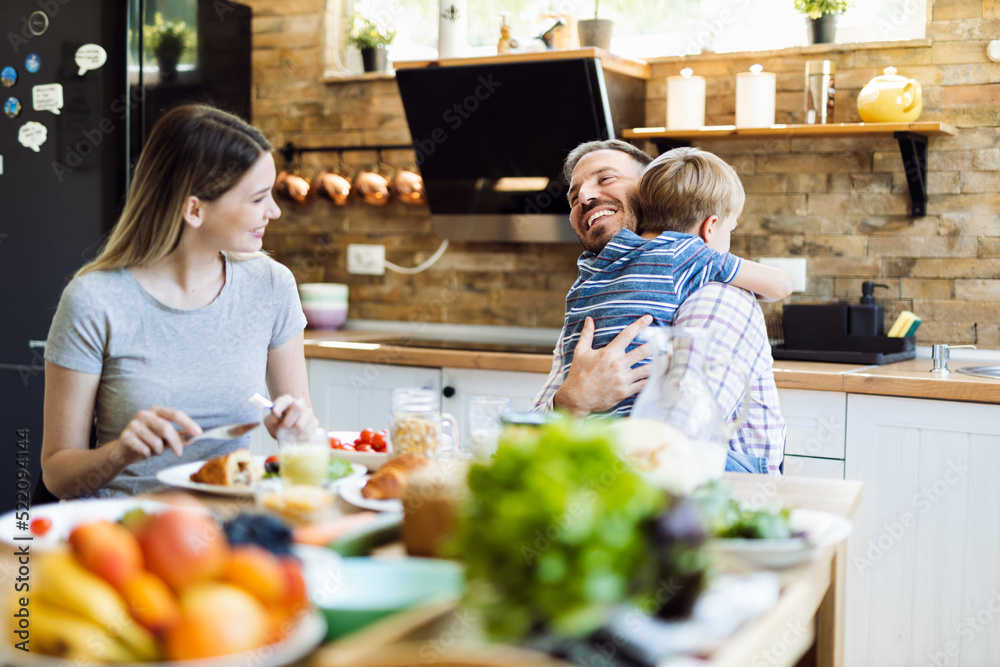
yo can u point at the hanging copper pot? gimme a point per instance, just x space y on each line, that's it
293 186
374 182
409 186
335 184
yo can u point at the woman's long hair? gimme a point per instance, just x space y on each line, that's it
193 150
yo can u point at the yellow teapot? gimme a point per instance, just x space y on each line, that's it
889 98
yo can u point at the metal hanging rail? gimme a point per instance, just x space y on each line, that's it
290 150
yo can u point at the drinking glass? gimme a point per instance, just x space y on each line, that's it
305 456
485 413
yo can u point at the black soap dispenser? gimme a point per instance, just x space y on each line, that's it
867 318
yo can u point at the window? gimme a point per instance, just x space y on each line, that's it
642 28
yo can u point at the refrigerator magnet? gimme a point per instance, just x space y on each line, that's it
32 135
12 107
8 76
48 97
90 56
32 62
38 23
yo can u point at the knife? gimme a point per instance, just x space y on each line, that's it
227 432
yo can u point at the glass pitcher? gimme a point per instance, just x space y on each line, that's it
678 391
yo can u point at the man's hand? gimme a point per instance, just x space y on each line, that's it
598 380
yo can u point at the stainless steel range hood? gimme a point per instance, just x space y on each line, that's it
490 139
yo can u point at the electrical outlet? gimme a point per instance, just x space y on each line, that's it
367 260
795 267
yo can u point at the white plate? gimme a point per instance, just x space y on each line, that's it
371 460
67 514
822 530
351 492
180 476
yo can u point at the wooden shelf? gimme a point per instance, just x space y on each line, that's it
925 129
912 139
635 68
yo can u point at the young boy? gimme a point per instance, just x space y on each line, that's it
690 201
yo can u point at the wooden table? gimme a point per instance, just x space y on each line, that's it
808 619
807 622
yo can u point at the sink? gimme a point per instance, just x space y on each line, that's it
992 372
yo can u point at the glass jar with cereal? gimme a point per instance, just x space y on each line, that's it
415 424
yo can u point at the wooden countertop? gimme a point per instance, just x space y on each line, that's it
911 379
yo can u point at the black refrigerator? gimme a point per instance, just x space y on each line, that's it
80 92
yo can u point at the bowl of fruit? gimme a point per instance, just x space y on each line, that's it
367 447
166 588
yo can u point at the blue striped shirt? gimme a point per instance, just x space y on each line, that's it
634 276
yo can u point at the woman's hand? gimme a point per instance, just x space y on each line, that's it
290 412
151 432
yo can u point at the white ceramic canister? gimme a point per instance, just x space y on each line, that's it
453 28
685 101
755 98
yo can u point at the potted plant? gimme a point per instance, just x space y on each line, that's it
595 31
821 15
370 37
167 41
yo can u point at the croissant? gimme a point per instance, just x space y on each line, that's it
390 479
237 468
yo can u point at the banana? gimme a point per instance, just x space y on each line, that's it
64 634
63 582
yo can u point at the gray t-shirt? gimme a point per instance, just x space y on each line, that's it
206 362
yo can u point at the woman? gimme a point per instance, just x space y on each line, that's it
179 319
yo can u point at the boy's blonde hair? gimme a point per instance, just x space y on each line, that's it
683 187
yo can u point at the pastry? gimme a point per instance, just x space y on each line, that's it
237 468
390 479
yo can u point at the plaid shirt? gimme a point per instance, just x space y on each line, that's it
738 332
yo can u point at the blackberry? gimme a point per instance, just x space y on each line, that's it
263 530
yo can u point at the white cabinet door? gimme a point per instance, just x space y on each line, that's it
815 422
923 584
520 387
349 396
807 466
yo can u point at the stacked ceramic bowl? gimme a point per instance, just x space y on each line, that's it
324 304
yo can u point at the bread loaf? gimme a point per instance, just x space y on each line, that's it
390 479
237 468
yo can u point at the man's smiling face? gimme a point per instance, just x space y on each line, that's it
602 197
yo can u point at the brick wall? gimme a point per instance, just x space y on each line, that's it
841 203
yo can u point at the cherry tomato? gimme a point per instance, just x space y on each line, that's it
272 464
347 447
335 443
364 447
378 442
366 436
41 525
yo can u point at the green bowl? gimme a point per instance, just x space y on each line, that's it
367 589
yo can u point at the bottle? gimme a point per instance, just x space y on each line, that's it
504 45
867 318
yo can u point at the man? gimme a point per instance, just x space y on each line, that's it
603 179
